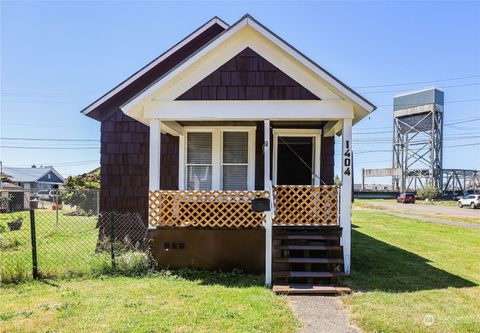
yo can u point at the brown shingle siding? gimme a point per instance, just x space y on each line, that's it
247 76
124 164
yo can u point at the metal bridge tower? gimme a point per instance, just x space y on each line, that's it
418 139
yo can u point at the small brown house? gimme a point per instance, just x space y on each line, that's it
228 115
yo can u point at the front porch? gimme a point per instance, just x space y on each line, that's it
304 236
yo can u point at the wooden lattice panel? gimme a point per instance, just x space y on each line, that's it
217 209
305 205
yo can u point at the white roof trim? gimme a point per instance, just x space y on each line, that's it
148 67
335 83
55 172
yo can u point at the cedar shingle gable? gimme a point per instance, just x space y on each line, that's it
248 76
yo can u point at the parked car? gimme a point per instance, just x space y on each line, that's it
44 195
406 198
472 200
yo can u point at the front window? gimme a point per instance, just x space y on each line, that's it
235 160
220 159
199 161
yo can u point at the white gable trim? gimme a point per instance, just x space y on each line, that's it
154 63
336 85
55 172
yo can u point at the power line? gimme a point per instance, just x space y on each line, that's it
58 163
446 102
43 139
389 150
417 82
391 131
402 90
47 148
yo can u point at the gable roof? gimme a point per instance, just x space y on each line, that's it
203 34
29 175
362 106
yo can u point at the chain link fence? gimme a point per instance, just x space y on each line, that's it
61 233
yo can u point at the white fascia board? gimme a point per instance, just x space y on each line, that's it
171 127
154 63
55 172
249 110
332 128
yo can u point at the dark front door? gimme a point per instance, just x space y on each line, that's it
294 160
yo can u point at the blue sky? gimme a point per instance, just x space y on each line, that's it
57 57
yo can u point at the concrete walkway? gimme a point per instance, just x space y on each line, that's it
320 314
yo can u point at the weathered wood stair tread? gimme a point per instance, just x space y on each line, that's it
309 247
299 274
309 289
306 237
309 260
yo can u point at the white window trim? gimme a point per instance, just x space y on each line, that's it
298 132
217 154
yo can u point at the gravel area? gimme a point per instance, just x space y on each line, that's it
321 314
422 218
439 210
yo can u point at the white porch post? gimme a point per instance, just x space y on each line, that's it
266 154
346 193
154 154
268 215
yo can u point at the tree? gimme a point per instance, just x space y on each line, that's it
428 192
337 181
82 192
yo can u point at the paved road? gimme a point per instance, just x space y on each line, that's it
321 314
437 210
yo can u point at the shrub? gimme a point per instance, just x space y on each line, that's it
428 192
8 244
134 263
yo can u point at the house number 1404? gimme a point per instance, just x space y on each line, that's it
347 158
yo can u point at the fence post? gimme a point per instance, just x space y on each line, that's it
34 244
112 237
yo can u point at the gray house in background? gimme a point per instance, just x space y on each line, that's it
38 178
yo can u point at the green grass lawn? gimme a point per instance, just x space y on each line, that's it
64 248
205 303
412 276
407 276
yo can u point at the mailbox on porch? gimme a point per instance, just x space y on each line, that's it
260 205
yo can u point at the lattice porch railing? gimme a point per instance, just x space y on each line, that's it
217 209
305 205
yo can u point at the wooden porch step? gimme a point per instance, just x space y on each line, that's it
310 289
309 260
301 274
310 247
306 237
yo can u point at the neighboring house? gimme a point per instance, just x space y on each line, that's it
229 114
34 178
